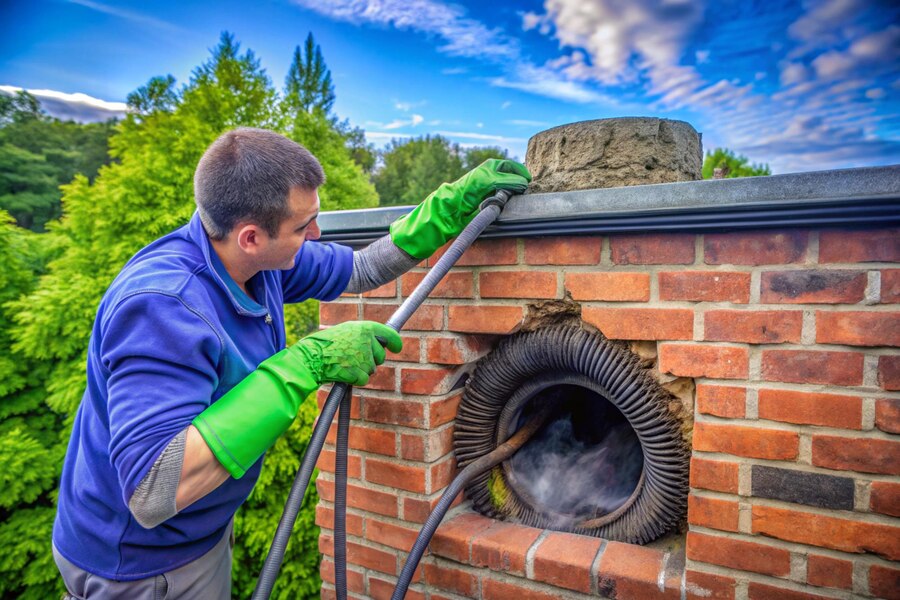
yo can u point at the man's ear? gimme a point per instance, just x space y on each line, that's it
251 238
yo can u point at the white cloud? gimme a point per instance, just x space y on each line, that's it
411 122
505 105
461 36
133 16
481 136
701 56
78 107
527 123
454 71
876 93
793 73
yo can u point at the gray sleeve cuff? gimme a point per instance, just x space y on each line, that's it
153 501
378 263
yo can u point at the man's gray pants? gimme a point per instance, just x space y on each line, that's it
207 577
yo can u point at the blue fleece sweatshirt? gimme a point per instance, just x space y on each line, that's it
173 333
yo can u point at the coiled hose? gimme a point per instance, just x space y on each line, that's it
340 392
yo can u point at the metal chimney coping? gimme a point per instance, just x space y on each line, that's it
858 197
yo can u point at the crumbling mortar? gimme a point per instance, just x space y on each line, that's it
808 332
595 568
755 286
798 567
862 494
870 371
868 414
751 408
812 252
873 288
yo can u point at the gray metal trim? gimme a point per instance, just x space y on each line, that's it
844 197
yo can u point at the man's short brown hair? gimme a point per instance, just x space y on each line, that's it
247 175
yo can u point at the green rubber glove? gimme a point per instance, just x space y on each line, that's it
446 212
241 425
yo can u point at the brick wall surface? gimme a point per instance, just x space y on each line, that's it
791 338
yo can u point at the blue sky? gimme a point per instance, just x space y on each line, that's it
804 85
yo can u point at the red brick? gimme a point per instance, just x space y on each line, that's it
753 326
825 571
501 590
870 245
388 290
411 350
450 579
453 538
846 535
631 571
858 328
704 360
813 286
738 554
752 442
457 350
384 378
415 380
333 313
761 591
610 287
884 582
705 586
642 323
865 455
885 498
804 366
503 547
565 559
563 250
416 510
755 248
654 249
809 408
889 372
428 317
722 400
483 252
444 410
483 318
394 412
442 474
361 498
517 284
356 581
396 475
716 475
887 415
325 518
713 513
368 439
326 463
372 558
427 446
705 286
890 286
455 284
389 534
379 589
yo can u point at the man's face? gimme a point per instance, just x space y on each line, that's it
300 226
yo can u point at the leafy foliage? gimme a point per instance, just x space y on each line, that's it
731 164
39 153
53 282
414 168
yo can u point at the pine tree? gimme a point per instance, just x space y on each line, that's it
144 193
308 86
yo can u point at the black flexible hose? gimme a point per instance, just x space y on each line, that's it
298 489
340 497
490 210
488 461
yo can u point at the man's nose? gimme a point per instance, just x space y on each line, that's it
313 232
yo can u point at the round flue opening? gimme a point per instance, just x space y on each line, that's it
620 471
584 463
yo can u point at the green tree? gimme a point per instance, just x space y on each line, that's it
146 192
732 165
308 86
39 153
31 448
411 169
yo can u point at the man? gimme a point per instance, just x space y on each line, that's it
188 378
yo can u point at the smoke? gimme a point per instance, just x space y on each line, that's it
585 463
